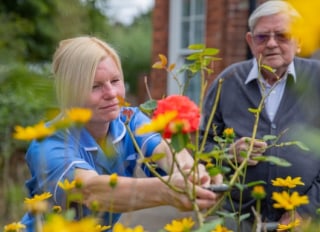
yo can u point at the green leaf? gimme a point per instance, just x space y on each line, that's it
243 154
269 137
179 141
218 139
241 187
149 106
301 145
211 51
196 46
214 171
226 214
213 154
154 157
268 68
254 183
194 56
252 110
273 159
209 226
244 217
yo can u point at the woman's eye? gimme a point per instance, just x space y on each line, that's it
96 87
115 80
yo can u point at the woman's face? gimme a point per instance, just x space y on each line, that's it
108 84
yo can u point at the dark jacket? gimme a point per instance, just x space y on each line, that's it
298 113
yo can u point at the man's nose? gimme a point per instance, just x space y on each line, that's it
272 40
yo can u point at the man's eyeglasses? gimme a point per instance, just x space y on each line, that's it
262 38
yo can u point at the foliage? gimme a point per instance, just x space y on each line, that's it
135 50
31 29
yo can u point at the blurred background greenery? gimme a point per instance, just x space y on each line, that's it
29 33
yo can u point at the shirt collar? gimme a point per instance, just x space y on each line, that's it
253 74
117 132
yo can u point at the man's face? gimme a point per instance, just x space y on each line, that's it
271 43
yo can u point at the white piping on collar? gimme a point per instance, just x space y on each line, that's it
116 140
60 178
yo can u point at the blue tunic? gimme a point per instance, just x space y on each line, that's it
55 159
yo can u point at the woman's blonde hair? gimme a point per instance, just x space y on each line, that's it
74 65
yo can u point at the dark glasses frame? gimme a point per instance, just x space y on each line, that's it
279 37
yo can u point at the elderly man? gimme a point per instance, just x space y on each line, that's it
289 89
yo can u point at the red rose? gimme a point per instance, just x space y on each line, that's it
187 119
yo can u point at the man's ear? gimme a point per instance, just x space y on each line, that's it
249 40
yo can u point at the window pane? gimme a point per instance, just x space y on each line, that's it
192 22
185 34
199 31
186 7
193 88
199 7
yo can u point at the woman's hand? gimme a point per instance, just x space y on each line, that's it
203 198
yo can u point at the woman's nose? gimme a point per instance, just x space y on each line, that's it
109 90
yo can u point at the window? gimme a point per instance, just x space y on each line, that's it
187 26
192 22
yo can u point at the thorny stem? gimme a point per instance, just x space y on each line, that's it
147 87
155 173
189 194
214 108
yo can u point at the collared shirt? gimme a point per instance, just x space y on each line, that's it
272 93
55 159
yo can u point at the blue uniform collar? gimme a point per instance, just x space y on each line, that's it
116 133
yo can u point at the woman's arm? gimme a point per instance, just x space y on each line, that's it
186 162
138 193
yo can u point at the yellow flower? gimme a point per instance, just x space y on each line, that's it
79 115
113 180
162 63
228 132
118 227
66 185
57 222
220 228
288 182
284 200
290 226
307 30
182 225
38 131
158 124
122 102
95 206
258 192
78 183
37 197
37 207
38 203
229 135
57 209
100 228
14 227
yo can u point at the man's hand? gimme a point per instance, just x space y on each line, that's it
243 145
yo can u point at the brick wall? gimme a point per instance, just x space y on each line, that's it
158 78
226 25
